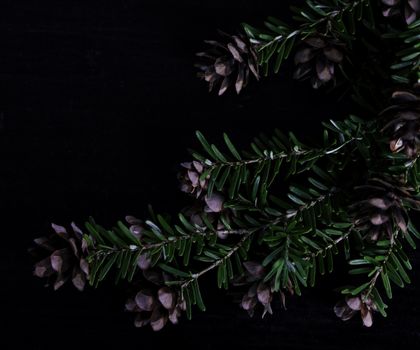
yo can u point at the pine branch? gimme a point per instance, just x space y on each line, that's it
161 248
325 17
389 264
305 233
219 261
237 215
307 206
270 155
323 250
257 170
380 271
407 67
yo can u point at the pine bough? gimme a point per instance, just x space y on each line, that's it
350 197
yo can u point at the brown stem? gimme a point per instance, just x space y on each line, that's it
331 245
281 155
382 266
217 262
311 25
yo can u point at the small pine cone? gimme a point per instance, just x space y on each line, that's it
351 305
258 293
189 178
404 126
228 62
214 202
195 213
136 226
156 306
144 262
66 257
317 58
408 9
212 208
383 210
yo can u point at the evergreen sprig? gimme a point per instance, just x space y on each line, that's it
407 67
258 168
333 18
273 218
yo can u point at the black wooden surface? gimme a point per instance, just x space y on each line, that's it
99 103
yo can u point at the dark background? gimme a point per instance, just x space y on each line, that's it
99 103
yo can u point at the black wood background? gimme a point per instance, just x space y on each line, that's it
99 103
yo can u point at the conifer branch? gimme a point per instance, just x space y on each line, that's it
308 27
380 269
332 245
358 189
220 261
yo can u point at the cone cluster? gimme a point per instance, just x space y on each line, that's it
259 293
408 9
317 59
228 63
383 208
63 257
404 124
190 178
155 304
352 305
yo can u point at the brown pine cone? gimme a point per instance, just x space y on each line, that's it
404 126
351 305
317 59
228 62
189 178
136 226
212 207
383 208
66 257
259 292
196 212
408 9
155 304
